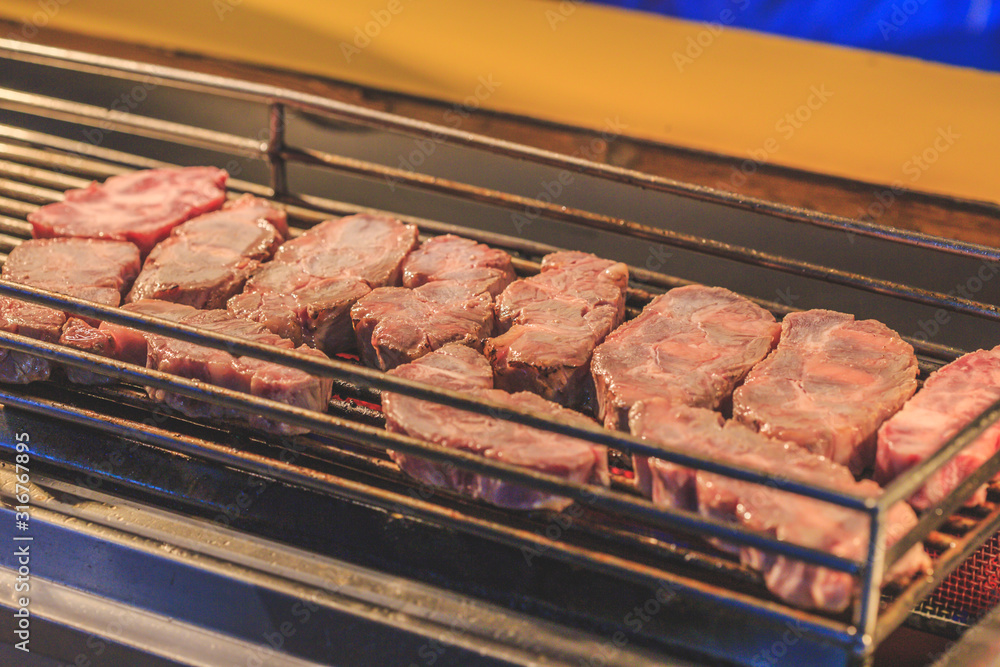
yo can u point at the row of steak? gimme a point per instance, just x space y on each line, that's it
811 397
333 288
696 349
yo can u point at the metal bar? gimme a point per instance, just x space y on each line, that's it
565 550
92 168
71 160
38 176
896 612
381 381
301 206
275 146
669 237
222 86
7 243
904 486
942 511
627 536
32 193
154 128
592 495
15 207
14 226
871 584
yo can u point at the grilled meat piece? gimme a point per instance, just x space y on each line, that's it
206 260
306 292
395 325
951 398
450 257
98 271
829 385
461 368
260 378
551 324
453 282
692 345
141 207
767 508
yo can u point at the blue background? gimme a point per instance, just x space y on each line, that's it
958 33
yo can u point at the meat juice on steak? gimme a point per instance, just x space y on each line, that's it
453 282
461 368
141 207
693 345
829 385
306 292
98 271
768 508
206 260
551 323
264 379
951 397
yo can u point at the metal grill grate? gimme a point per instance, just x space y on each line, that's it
971 590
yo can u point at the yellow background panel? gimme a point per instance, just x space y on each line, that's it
831 110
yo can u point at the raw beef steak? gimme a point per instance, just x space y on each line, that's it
306 292
97 271
450 257
206 260
553 321
141 207
767 508
260 378
395 325
951 398
692 345
829 385
461 368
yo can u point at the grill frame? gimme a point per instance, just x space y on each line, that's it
859 635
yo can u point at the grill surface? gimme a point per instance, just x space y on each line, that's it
614 539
